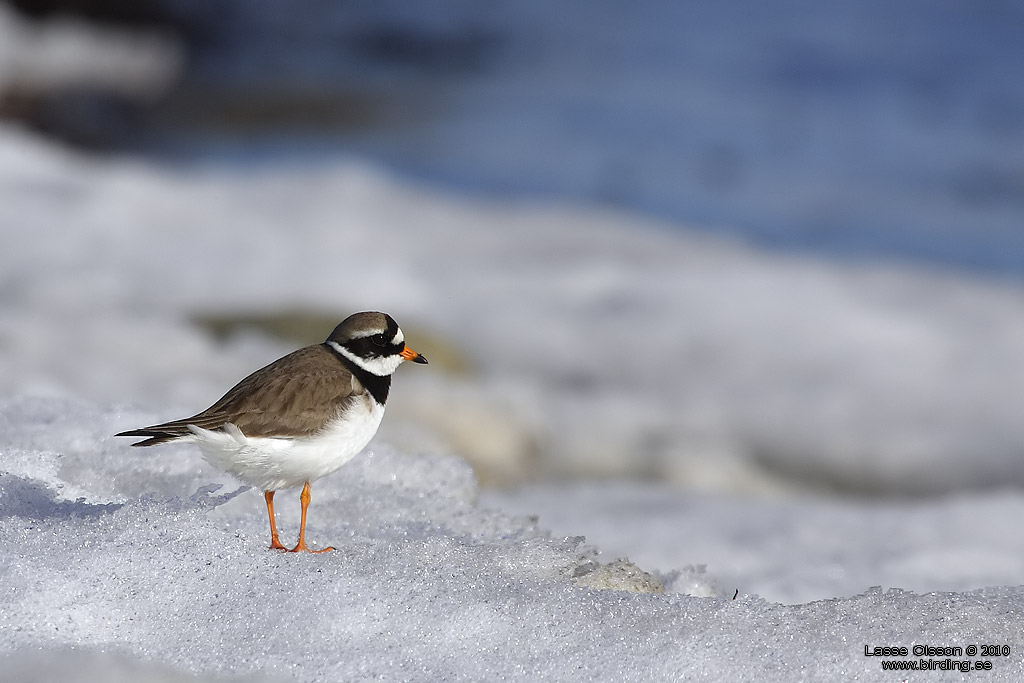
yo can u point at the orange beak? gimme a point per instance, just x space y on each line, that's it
409 354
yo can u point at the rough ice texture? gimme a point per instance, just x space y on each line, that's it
154 575
603 344
756 370
791 549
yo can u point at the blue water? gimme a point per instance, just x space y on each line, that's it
872 129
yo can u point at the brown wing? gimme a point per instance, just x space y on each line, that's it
293 396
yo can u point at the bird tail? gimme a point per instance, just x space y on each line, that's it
171 431
156 437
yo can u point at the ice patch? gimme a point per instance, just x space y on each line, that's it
783 371
424 584
792 549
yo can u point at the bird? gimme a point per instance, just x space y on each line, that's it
300 418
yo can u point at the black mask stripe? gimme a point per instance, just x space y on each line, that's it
375 384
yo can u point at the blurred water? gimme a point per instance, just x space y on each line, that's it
871 129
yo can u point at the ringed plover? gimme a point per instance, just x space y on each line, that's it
301 417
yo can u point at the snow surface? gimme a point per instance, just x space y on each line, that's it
794 549
425 585
734 370
603 345
60 55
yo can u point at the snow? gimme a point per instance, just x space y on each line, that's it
425 585
592 334
599 344
795 549
59 55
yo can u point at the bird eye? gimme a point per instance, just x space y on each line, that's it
379 339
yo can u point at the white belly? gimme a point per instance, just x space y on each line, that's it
269 464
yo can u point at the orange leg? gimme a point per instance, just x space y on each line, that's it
275 542
301 546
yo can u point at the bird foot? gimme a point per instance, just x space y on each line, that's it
301 548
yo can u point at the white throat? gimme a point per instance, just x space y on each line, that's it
381 366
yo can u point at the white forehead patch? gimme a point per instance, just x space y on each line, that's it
382 366
367 334
399 338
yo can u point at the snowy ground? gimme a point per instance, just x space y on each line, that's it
424 586
598 345
794 549
602 345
